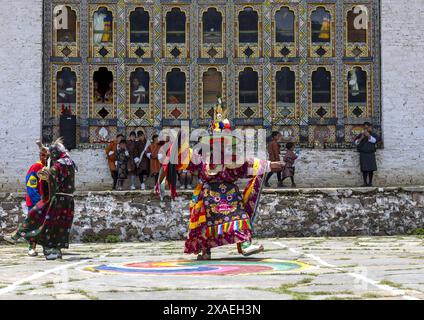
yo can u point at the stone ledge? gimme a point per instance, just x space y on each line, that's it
324 191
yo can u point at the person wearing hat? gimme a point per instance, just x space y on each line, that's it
220 213
50 220
34 191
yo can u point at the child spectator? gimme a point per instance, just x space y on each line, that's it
289 169
186 179
132 150
274 156
122 156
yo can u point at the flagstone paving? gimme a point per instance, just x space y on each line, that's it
335 268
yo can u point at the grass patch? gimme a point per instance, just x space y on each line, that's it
92 239
418 232
112 239
348 266
342 298
27 289
160 289
299 296
95 238
286 288
49 284
327 293
305 281
85 294
391 284
371 295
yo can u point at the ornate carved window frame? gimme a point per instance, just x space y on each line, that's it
131 119
330 108
183 47
58 48
169 107
55 69
202 70
276 117
205 47
278 47
111 108
133 47
255 47
259 105
355 49
111 46
329 48
349 107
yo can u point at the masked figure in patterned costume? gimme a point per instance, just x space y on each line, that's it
50 220
220 213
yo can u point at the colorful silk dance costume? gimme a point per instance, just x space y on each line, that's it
50 220
220 213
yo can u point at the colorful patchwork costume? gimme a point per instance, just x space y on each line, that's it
220 213
50 220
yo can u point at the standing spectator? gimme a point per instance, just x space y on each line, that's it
132 150
366 145
155 157
141 160
111 158
274 156
289 169
186 179
122 157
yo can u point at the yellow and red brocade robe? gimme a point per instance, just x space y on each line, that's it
219 213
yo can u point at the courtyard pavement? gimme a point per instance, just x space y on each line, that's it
307 268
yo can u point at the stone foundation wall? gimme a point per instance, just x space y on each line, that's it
137 216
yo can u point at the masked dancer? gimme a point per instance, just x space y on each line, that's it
220 213
50 220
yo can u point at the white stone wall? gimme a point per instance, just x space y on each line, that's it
20 88
400 162
402 48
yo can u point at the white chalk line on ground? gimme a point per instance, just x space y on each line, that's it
12 287
360 277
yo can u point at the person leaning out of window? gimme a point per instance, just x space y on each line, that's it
366 143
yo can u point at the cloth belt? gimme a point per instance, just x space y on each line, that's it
64 194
